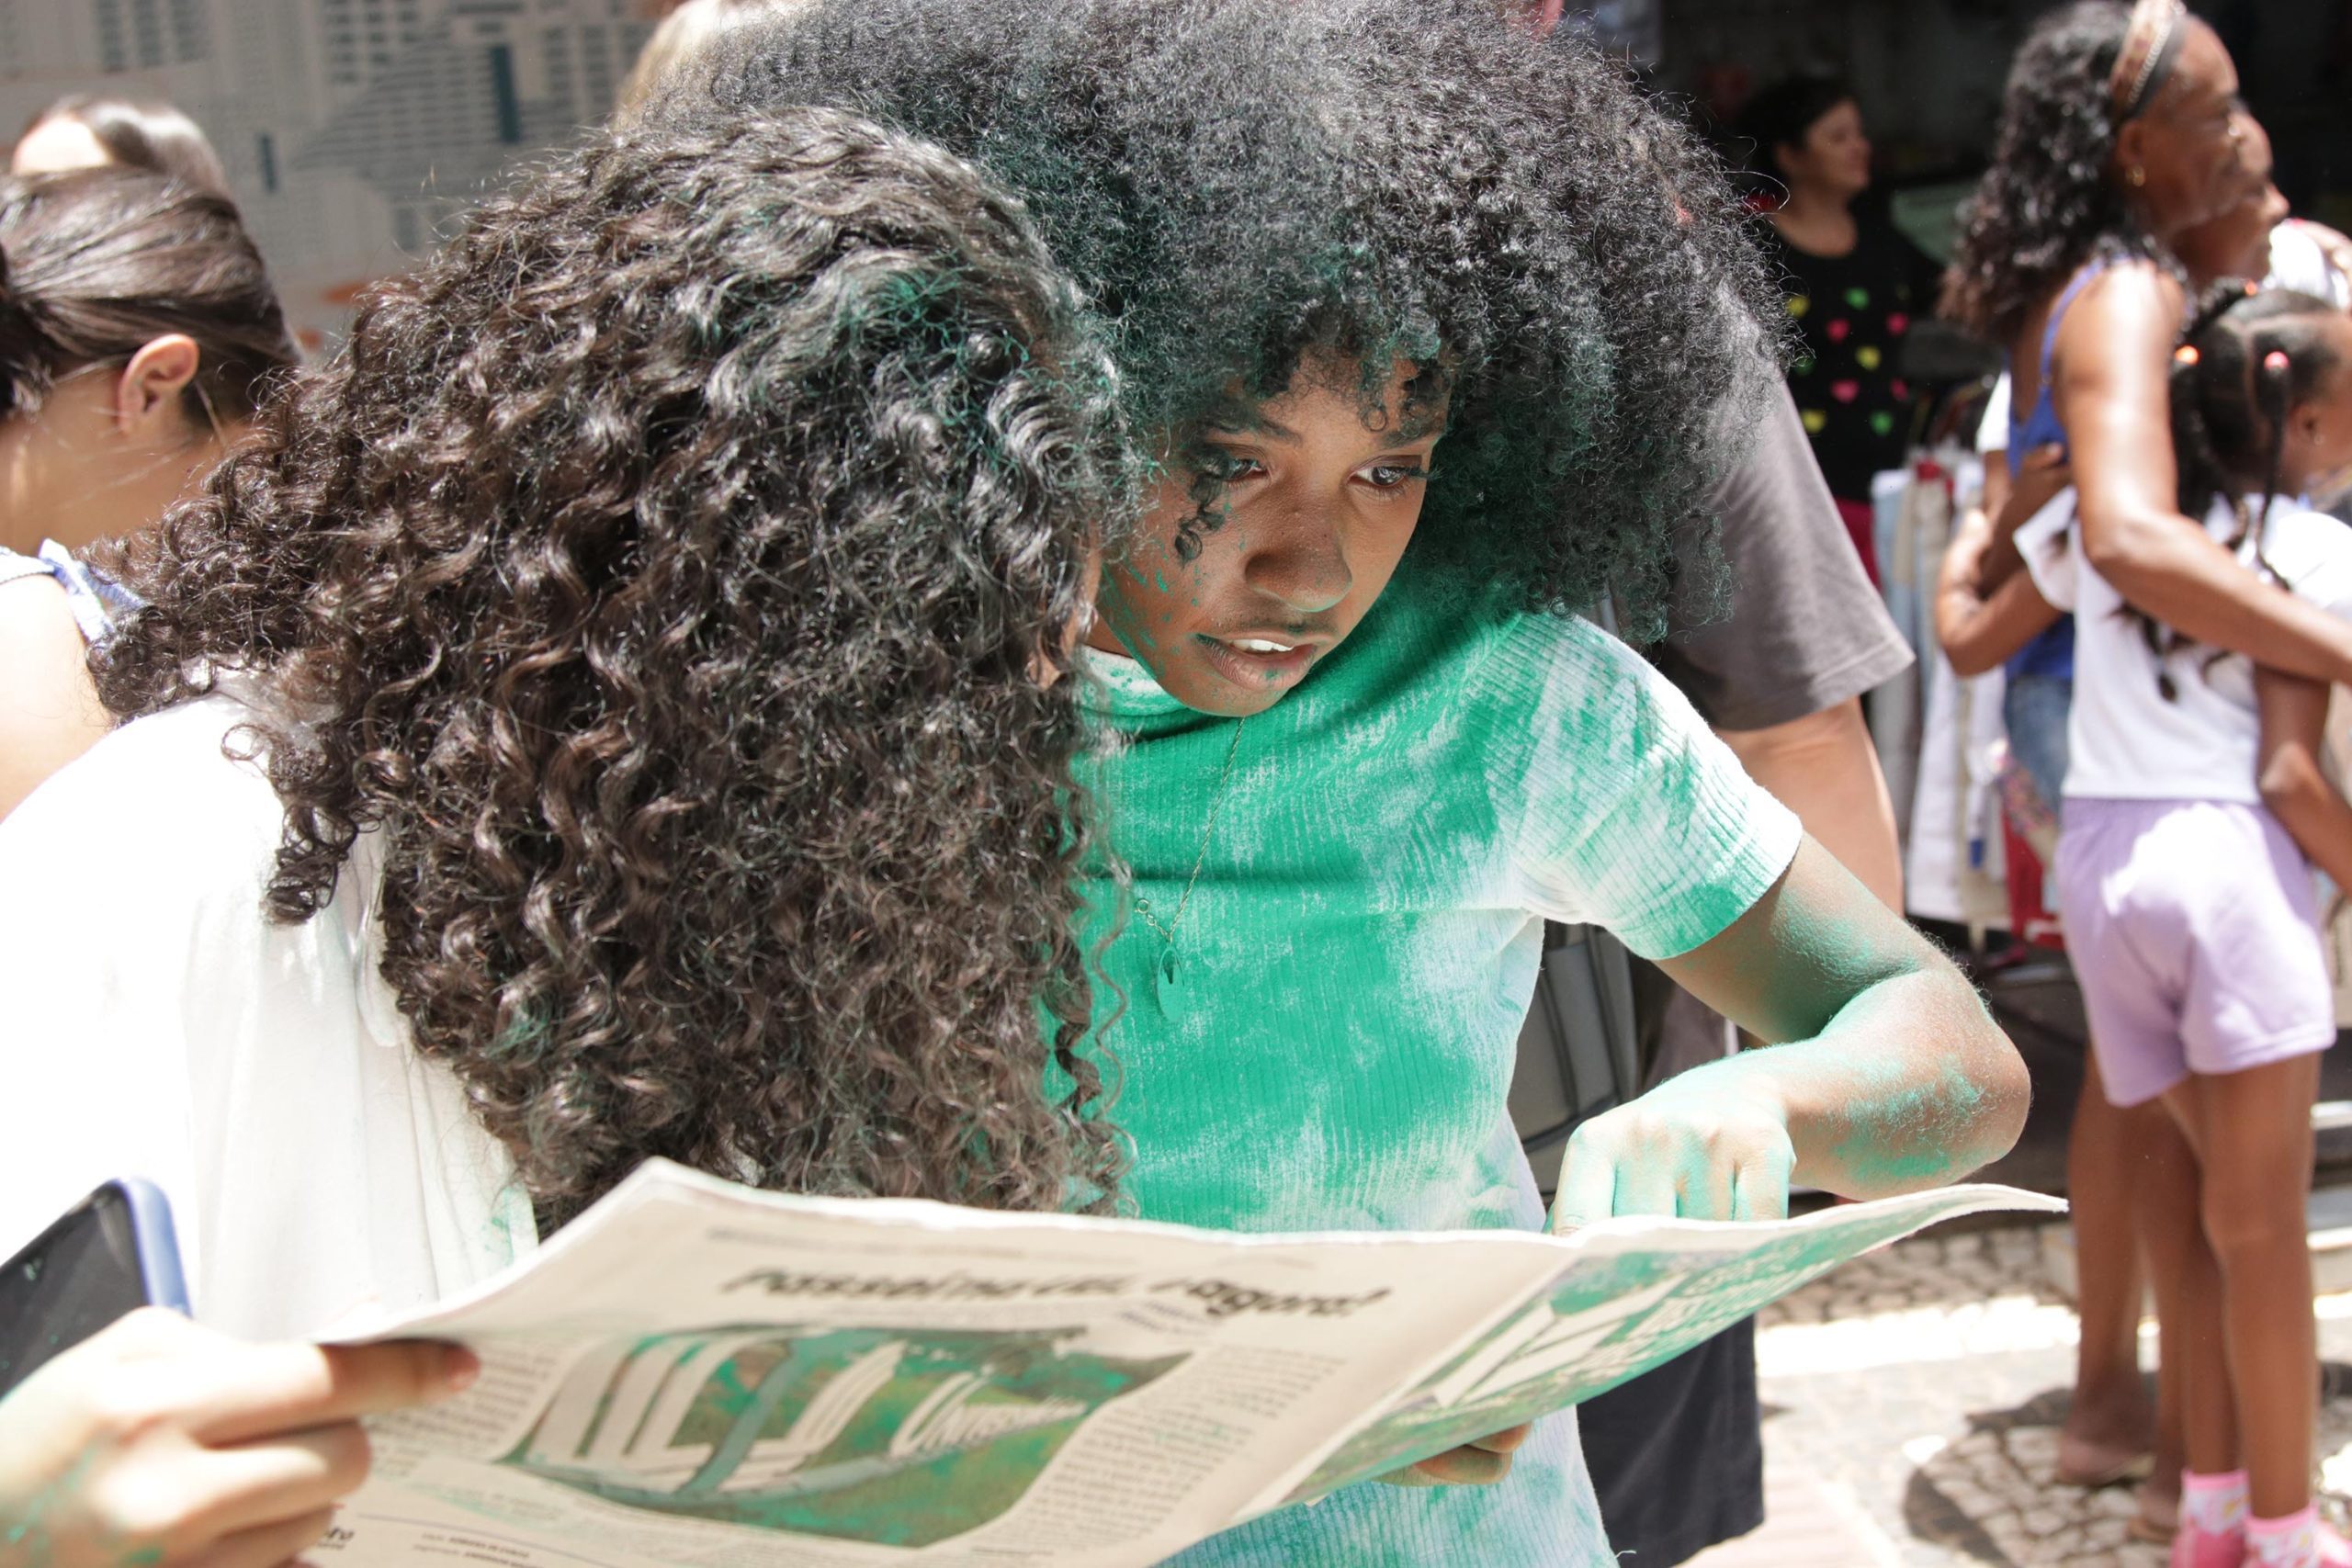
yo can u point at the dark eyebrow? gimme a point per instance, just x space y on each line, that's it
1253 425
1411 433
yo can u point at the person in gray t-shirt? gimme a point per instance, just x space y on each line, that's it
1778 669
1802 635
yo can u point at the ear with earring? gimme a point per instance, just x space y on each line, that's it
2136 175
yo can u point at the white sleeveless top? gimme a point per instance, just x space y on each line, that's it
158 1024
2126 740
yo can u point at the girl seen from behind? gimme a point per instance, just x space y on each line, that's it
2195 808
611 710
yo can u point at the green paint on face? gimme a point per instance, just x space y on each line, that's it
1280 519
1353 910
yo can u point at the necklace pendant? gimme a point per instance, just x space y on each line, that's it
1164 978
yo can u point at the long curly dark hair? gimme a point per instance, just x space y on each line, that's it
663 571
1237 182
2046 205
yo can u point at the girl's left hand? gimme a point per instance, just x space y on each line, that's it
1482 1461
1694 1147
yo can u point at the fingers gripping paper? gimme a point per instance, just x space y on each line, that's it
696 1373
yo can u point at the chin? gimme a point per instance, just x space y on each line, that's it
1204 691
1225 700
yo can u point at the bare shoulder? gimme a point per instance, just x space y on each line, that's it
34 615
2138 296
2124 326
2137 279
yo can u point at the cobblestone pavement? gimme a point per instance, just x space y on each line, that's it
1916 1393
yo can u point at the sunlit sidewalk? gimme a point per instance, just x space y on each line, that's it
1912 1402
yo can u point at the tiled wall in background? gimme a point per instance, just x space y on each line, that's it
352 130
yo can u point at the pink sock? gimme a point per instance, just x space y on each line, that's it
2213 1504
2292 1542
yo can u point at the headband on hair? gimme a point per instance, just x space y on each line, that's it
2151 40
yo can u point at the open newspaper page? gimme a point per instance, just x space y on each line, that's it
694 1373
1630 1295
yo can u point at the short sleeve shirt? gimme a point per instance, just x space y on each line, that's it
1852 314
1358 948
1798 627
2127 740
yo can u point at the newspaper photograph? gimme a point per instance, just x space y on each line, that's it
694 1373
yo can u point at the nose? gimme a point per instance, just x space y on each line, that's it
1301 562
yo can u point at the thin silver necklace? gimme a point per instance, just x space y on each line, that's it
1167 970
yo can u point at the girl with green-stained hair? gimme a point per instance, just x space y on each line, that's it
1430 331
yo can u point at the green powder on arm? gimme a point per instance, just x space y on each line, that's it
1360 949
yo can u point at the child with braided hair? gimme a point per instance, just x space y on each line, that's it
1427 330
2193 797
2195 808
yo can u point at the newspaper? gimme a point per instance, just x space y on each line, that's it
695 1373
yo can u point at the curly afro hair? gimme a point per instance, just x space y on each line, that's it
2045 206
1239 183
663 571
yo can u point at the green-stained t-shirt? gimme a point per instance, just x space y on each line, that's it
1360 950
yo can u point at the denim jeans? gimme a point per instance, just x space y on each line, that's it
2034 708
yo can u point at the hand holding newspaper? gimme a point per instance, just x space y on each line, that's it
696 1373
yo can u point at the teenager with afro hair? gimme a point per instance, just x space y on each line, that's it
1425 327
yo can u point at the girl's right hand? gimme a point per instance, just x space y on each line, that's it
159 1443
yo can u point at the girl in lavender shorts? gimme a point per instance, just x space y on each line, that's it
2196 809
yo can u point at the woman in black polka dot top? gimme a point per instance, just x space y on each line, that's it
1854 286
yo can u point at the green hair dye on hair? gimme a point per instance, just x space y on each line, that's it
1239 184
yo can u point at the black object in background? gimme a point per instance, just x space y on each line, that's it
108 1256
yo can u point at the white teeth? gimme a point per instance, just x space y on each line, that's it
1259 645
